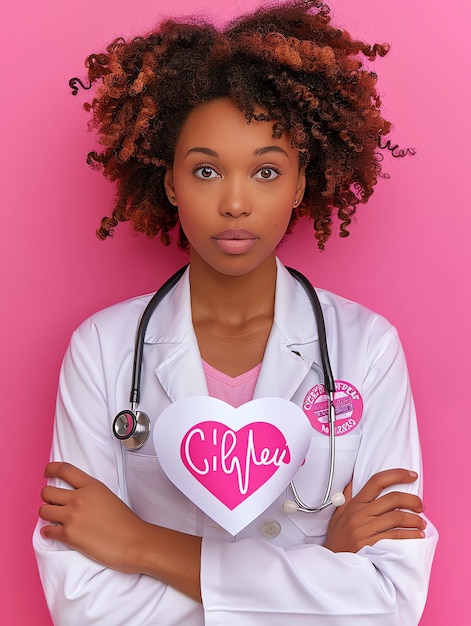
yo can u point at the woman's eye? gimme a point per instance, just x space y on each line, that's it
267 173
206 172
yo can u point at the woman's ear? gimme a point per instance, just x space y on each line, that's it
169 188
301 186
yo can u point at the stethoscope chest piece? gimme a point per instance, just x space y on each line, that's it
131 428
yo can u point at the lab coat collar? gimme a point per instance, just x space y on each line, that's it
179 370
292 347
291 350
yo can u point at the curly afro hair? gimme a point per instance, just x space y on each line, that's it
309 77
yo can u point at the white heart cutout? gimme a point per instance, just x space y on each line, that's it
231 462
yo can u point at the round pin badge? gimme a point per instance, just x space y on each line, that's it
348 405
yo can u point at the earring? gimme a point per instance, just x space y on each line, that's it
173 199
295 203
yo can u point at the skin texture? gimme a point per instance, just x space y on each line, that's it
251 186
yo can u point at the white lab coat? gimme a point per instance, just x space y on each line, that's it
250 580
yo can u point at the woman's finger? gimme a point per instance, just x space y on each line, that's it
70 474
394 520
55 531
395 500
396 533
382 480
55 495
51 513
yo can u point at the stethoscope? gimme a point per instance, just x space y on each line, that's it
132 427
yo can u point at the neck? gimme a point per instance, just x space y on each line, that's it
231 299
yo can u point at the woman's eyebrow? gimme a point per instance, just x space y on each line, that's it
266 149
258 152
207 151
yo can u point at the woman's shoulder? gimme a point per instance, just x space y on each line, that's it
351 313
341 303
336 309
116 321
125 309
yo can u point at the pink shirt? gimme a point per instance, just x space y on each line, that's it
234 391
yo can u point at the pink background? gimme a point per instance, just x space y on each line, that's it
408 257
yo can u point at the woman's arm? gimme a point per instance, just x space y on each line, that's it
91 519
79 589
369 516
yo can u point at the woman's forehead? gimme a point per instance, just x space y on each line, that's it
221 124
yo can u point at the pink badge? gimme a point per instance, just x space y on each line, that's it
348 405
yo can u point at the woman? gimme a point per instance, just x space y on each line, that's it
234 134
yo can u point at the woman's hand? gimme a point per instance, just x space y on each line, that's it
93 520
368 517
90 518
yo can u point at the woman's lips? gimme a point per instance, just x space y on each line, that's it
235 240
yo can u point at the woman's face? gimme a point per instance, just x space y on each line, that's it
234 185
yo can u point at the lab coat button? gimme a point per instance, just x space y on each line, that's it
271 528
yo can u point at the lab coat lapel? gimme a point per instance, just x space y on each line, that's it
179 368
181 374
292 347
282 371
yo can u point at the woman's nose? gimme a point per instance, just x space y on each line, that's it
236 200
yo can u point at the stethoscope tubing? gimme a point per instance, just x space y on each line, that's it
329 386
141 332
329 382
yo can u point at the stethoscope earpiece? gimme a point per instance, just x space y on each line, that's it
338 499
290 506
131 428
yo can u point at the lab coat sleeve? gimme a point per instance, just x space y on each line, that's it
79 590
253 582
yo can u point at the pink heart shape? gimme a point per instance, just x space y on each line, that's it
231 464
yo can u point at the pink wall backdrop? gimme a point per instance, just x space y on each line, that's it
408 256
